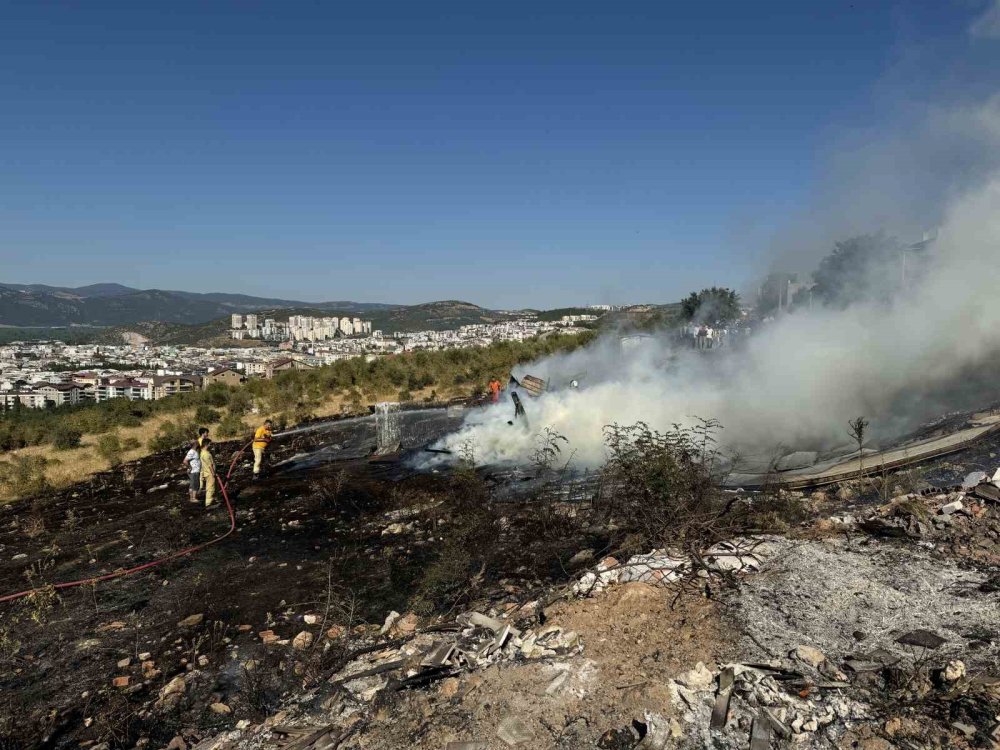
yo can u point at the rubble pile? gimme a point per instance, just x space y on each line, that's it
474 640
661 567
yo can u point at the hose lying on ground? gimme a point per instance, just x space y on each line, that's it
145 566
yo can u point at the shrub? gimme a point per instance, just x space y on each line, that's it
231 425
111 448
206 415
172 435
66 438
404 396
23 476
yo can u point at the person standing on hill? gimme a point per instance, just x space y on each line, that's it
207 471
192 462
261 442
202 437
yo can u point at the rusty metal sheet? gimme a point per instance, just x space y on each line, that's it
534 386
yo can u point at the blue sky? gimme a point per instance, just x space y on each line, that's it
509 154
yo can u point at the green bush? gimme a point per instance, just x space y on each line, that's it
206 415
231 425
172 435
23 476
110 448
66 438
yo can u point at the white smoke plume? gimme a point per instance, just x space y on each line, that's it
800 379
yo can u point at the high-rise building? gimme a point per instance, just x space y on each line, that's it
251 321
237 321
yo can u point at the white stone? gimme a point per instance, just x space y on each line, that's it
954 671
950 508
699 678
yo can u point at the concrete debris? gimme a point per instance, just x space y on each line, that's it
973 479
739 555
191 621
513 731
662 566
756 697
390 620
698 678
302 641
809 655
949 508
473 641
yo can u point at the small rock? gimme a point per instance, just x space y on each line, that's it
203 661
267 636
405 625
245 628
954 671
334 632
581 557
177 743
809 655
699 678
955 507
123 663
145 655
311 619
22 556
176 686
220 708
243 724
302 641
120 682
191 621
966 729
390 620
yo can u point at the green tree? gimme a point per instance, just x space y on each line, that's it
66 438
713 305
865 267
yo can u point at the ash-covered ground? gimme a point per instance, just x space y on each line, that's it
361 604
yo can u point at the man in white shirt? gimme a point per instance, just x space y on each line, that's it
192 461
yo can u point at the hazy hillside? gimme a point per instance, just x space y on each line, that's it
114 304
435 316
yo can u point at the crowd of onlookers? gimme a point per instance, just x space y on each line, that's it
706 336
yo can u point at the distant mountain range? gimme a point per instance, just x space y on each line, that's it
114 304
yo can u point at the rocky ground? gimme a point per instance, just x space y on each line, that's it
349 610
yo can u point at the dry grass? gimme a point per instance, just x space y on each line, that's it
68 467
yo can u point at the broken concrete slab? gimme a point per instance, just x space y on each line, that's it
514 731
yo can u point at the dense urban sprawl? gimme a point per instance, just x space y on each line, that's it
52 373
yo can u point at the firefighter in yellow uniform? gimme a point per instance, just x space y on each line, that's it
207 471
261 441
202 437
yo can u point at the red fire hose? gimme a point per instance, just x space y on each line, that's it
154 563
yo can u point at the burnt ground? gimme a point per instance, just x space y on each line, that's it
317 535
333 541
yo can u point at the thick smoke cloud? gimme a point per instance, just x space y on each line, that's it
897 359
